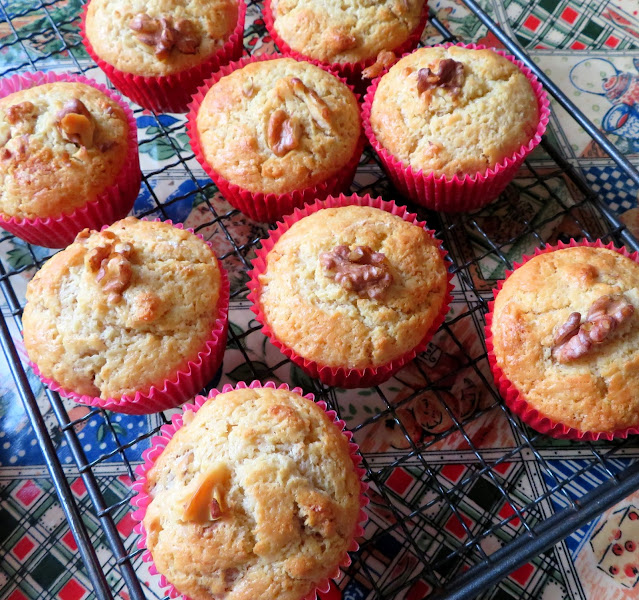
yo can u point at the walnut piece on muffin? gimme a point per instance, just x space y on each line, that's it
454 111
256 497
338 31
566 334
123 309
160 37
61 145
280 125
352 287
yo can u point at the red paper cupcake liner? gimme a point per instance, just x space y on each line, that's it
170 93
112 204
460 193
340 376
515 400
183 385
141 501
352 71
262 207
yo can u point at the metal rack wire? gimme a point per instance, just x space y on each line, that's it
450 567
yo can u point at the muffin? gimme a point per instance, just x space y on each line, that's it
274 133
158 53
347 35
68 157
256 495
125 311
350 289
565 341
453 124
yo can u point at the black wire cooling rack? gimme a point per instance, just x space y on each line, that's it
416 534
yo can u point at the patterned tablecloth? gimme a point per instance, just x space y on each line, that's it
589 48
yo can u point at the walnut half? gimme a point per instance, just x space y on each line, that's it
284 133
166 33
449 76
385 59
207 502
111 265
358 269
574 339
339 39
288 88
20 112
76 123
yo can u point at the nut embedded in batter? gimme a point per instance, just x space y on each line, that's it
385 59
111 261
360 269
449 75
207 503
76 123
574 339
115 275
339 40
20 111
284 133
163 34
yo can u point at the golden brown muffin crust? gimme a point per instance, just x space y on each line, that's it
137 325
323 321
43 172
448 131
108 28
345 31
244 139
285 495
598 391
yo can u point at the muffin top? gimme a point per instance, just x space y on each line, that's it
338 31
123 309
61 145
566 334
159 37
353 287
454 111
278 125
255 497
